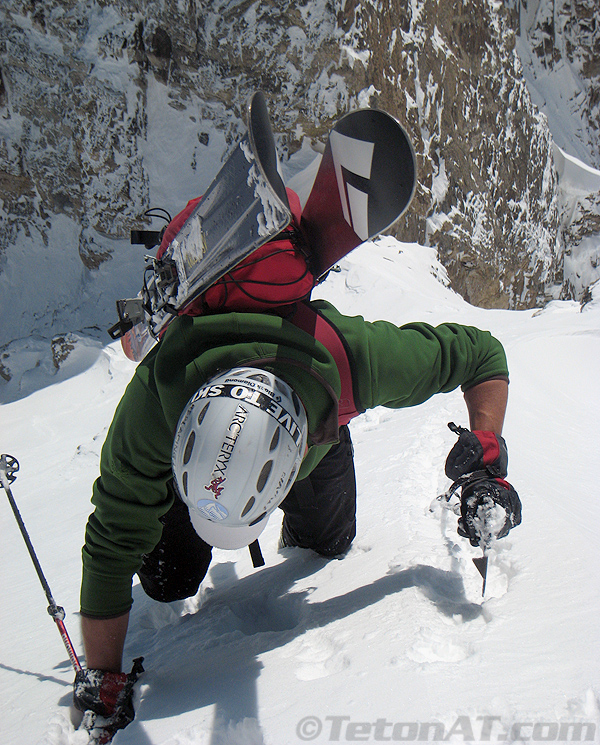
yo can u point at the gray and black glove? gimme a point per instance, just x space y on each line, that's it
106 700
489 508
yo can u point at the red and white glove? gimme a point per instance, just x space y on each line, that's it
106 700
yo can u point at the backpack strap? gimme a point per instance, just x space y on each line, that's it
256 554
314 323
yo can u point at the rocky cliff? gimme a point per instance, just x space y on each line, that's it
559 44
108 108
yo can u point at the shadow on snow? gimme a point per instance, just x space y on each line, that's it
211 658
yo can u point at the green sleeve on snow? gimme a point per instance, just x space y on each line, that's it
129 498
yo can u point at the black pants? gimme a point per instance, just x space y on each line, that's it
320 510
319 513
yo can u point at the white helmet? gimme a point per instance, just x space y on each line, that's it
237 449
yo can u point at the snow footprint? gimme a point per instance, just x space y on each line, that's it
155 616
245 732
319 655
262 613
434 647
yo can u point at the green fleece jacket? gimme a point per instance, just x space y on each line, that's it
393 366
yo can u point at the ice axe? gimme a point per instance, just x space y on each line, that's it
481 563
485 535
8 470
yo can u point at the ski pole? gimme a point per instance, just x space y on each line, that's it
8 469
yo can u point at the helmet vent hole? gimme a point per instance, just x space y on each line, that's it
258 519
274 441
202 414
185 482
264 475
291 479
248 507
189 446
280 385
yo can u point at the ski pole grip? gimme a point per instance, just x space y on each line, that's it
57 613
9 466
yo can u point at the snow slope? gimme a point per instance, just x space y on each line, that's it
392 643
558 83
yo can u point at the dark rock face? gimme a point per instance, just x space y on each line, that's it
488 191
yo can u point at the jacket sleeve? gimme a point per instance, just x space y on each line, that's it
129 497
412 363
398 366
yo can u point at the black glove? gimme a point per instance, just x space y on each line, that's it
106 700
481 519
476 451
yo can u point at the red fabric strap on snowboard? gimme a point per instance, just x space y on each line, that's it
274 275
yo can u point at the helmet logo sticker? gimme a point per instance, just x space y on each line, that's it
214 486
252 396
219 472
211 510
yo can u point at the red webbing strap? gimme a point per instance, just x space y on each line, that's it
309 320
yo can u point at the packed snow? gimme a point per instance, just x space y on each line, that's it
395 641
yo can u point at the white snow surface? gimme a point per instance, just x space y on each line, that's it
374 647
574 176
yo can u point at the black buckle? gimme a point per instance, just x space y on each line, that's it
147 238
131 312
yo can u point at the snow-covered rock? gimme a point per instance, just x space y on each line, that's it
109 109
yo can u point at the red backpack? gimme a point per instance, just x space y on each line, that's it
272 276
275 275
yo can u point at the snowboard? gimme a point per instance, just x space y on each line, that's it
244 206
365 182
